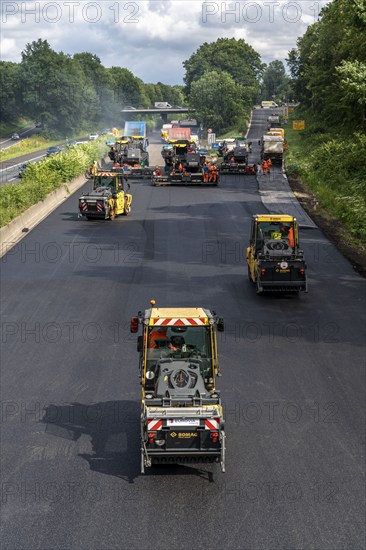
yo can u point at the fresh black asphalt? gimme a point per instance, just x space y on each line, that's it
293 384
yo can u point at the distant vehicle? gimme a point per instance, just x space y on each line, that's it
22 169
92 137
54 150
71 143
129 107
15 136
162 105
268 104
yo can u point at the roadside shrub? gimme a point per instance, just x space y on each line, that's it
43 177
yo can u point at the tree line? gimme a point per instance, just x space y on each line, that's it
68 93
328 67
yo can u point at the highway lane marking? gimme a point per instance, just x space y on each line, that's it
24 162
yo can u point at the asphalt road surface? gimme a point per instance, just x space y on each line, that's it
293 383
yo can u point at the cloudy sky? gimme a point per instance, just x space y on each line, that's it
152 37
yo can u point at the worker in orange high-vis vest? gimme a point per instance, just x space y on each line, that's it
158 333
269 164
291 237
264 166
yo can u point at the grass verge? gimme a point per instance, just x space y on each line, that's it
328 174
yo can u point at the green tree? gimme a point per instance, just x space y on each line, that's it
353 85
322 81
217 99
52 87
275 82
9 91
232 56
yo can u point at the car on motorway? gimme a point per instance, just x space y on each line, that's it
39 125
22 169
54 150
130 107
94 136
15 136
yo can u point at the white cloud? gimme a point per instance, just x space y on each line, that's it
152 37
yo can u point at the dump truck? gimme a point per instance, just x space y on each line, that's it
182 417
272 147
108 197
275 260
277 131
273 122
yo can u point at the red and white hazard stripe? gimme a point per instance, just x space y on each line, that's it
83 206
154 425
185 322
212 423
100 206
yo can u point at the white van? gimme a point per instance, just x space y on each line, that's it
268 104
162 105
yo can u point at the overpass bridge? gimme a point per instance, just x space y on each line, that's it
163 112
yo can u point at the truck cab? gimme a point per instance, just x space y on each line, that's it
181 411
275 261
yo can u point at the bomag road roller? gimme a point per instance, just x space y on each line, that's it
181 414
108 197
275 261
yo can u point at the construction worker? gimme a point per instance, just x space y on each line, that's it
205 173
291 237
159 333
269 162
213 174
95 167
157 171
264 166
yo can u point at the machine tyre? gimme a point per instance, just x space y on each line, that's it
127 208
257 288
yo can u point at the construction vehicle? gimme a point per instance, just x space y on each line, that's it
272 147
185 165
275 261
273 122
235 161
268 104
278 131
108 197
164 132
131 150
181 413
